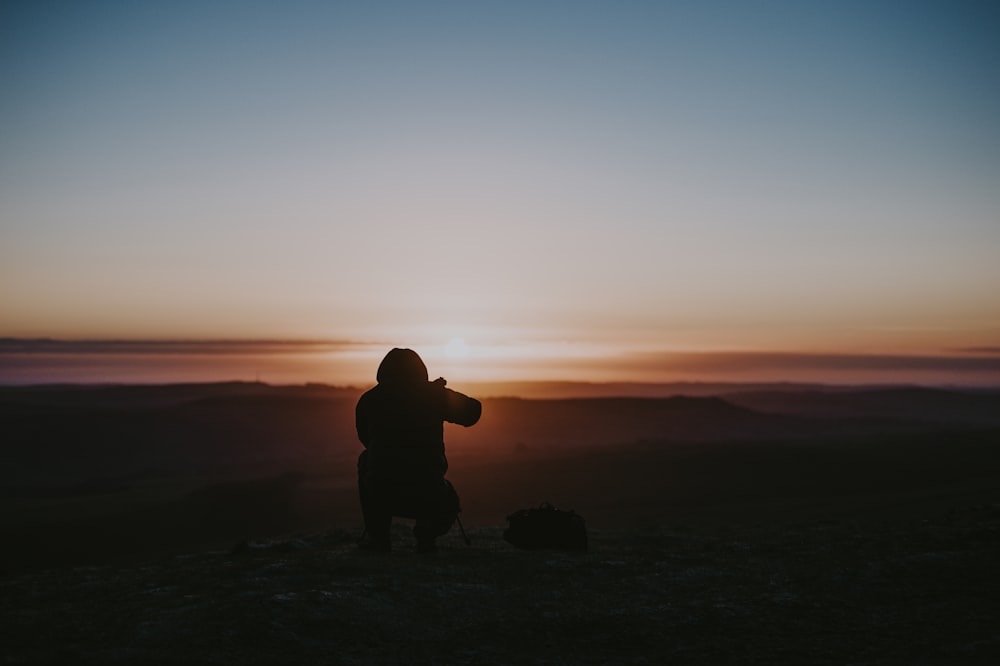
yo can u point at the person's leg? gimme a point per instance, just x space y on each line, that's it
378 518
425 533
437 516
377 523
377 528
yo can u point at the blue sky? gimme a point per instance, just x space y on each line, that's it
805 176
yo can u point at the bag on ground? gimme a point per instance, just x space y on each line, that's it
546 527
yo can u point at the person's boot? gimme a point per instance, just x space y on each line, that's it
376 536
376 544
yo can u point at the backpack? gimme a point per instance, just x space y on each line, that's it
546 527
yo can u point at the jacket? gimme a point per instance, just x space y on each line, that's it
401 420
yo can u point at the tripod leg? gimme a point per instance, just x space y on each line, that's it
468 542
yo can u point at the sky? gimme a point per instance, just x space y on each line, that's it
585 189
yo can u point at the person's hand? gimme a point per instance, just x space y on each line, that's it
440 381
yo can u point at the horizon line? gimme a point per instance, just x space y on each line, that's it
351 362
86 345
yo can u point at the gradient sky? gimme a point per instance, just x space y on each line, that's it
653 176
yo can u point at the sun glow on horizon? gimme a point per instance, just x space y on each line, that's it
456 348
355 364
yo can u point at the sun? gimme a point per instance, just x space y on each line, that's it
456 348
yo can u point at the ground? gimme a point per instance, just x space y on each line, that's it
915 591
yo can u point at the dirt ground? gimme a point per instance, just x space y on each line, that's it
919 591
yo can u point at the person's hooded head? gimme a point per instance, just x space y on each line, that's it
402 367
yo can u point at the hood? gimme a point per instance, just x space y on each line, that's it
402 367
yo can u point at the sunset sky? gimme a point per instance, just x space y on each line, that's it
603 190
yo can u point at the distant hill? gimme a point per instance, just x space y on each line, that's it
62 435
67 435
970 407
567 389
91 473
120 396
591 421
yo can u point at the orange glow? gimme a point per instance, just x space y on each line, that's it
348 363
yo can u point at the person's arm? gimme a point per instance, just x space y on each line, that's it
461 409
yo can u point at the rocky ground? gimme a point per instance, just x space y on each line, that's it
905 592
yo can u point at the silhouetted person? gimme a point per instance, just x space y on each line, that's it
401 471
